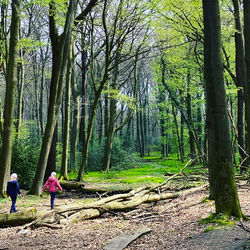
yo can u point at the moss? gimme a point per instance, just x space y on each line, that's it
205 200
219 221
213 228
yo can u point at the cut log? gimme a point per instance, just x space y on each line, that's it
69 185
22 218
118 204
124 239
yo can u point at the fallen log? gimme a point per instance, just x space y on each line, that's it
69 185
22 218
119 204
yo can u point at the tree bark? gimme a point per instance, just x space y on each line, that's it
190 119
83 120
75 122
20 84
221 175
11 82
51 164
241 77
64 166
60 49
246 6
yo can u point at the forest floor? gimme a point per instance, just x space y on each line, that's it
174 224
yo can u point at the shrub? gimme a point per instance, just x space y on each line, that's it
121 157
25 155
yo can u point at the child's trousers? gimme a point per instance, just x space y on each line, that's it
52 199
13 205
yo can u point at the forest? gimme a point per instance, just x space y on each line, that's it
140 109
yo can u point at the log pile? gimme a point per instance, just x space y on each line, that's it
112 204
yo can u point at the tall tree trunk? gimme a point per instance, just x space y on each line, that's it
51 164
162 98
11 82
246 5
182 137
142 132
100 128
177 133
20 98
106 113
60 49
190 119
75 122
112 115
138 135
41 93
83 166
221 175
64 166
82 133
1 119
241 77
36 104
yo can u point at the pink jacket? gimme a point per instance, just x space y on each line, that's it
53 183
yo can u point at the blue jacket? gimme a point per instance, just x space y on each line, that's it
13 188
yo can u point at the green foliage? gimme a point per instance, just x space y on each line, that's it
24 160
121 157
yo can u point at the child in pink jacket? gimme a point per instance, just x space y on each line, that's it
53 184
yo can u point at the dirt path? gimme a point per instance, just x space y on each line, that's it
175 225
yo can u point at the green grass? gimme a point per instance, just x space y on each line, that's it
150 171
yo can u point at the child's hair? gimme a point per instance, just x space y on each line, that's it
13 176
53 174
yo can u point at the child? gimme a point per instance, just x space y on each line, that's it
12 191
53 183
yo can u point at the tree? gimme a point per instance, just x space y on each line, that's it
246 5
11 82
60 49
241 78
64 165
221 173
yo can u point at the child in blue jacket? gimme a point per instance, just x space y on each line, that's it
13 190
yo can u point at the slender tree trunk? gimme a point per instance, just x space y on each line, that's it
84 163
1 119
138 133
241 78
75 122
11 82
64 166
36 104
112 116
106 113
190 119
142 133
246 5
221 175
82 133
51 164
100 129
182 137
177 133
20 98
41 94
